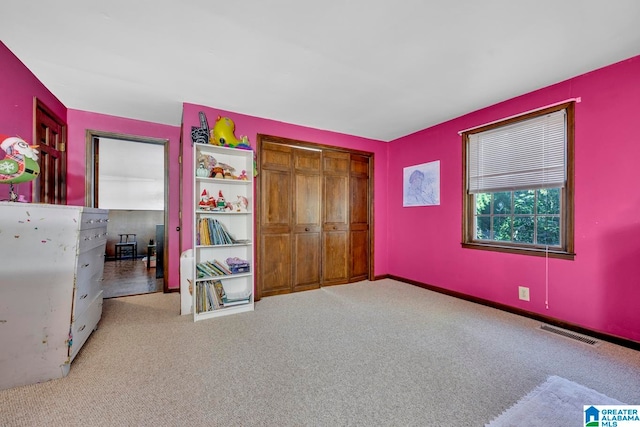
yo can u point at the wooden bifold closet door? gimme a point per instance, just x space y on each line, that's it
314 216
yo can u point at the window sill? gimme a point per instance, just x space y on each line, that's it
541 252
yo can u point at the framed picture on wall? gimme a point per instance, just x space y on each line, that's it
421 185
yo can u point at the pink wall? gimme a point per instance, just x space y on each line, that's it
79 122
600 289
597 290
18 87
251 126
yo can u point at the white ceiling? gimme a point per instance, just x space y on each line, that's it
374 68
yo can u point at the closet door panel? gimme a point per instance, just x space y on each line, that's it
306 219
359 200
307 261
275 261
307 201
336 201
276 156
275 221
360 203
335 262
359 255
335 230
335 227
276 200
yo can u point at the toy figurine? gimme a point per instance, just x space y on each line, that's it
242 204
217 172
204 200
220 203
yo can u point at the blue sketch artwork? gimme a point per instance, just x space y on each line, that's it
422 185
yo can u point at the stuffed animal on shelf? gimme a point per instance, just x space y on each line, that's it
242 204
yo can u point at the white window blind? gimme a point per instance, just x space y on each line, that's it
523 155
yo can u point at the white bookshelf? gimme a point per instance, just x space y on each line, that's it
238 222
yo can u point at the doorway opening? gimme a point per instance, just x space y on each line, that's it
126 174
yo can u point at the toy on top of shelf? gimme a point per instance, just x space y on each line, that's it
223 133
200 135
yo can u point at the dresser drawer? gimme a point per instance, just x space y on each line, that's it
91 238
92 219
85 293
82 327
88 278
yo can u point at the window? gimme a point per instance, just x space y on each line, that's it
518 175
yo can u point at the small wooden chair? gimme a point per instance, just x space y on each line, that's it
127 246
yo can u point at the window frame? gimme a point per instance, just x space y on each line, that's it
566 194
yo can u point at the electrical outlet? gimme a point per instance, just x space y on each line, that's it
523 293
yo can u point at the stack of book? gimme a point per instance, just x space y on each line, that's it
212 296
211 232
212 268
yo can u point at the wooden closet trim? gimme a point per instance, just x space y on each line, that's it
260 139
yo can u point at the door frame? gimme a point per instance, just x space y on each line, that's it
50 175
314 146
91 180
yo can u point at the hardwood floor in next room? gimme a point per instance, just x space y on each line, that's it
129 277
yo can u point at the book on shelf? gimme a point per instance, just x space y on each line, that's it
209 297
219 268
231 303
212 232
229 300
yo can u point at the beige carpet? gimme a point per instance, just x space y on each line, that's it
556 402
366 354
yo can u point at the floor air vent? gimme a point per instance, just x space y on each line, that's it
569 334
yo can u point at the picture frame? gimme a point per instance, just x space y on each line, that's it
421 185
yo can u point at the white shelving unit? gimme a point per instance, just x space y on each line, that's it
236 218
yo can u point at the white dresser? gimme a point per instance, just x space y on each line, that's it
51 266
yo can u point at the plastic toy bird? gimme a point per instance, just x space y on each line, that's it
20 163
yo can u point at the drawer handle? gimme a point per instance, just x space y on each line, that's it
82 328
84 296
85 265
306 229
